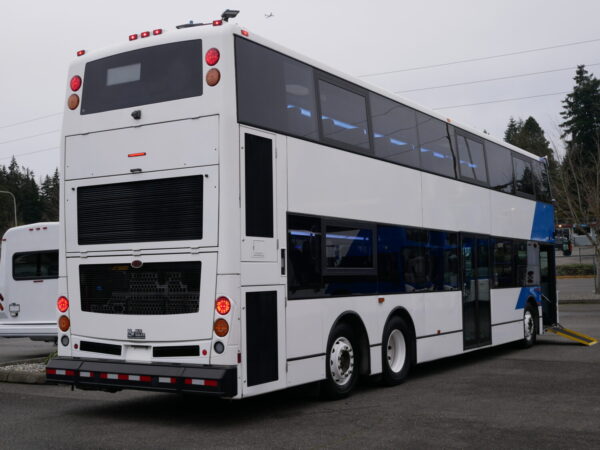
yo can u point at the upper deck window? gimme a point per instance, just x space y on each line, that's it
141 77
436 152
471 160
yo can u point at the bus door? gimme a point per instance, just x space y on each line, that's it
477 329
548 284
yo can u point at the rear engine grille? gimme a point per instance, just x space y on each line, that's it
153 289
98 347
181 350
168 209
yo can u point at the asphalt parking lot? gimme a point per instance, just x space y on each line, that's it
544 397
22 348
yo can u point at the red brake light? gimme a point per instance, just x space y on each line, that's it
223 305
145 34
157 31
81 53
212 56
75 83
217 23
133 37
62 304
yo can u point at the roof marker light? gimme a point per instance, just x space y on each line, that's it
133 37
157 31
145 34
81 53
133 155
245 33
217 23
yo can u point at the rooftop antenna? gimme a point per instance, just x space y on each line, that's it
229 14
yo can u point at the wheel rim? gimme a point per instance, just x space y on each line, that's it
529 325
396 351
341 361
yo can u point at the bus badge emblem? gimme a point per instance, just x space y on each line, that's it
138 333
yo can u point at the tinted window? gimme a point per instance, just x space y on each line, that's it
394 131
471 160
349 247
343 116
436 153
258 185
445 259
542 183
500 167
35 265
504 264
521 255
140 77
304 256
523 176
274 91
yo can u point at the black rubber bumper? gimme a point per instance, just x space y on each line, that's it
97 374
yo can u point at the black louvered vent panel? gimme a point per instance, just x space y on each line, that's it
168 209
153 289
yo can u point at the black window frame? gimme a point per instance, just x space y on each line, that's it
347 271
345 85
38 264
466 135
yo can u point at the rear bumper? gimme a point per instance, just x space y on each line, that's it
95 374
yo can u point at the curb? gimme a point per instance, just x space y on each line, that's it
17 376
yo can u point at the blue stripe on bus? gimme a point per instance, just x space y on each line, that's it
543 223
527 292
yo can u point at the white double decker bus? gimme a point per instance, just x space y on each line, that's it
238 218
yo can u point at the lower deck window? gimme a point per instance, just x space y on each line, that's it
35 265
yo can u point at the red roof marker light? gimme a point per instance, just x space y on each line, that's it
81 53
157 31
217 23
133 37
245 33
145 34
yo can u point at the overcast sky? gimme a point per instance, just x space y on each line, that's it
39 38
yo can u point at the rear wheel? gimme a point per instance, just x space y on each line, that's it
529 327
342 363
396 351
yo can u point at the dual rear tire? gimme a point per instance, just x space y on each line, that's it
343 358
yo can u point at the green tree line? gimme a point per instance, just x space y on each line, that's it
36 201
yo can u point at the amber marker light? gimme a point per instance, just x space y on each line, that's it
73 101
221 327
64 323
213 76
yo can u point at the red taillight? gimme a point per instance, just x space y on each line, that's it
62 304
217 23
75 83
145 34
133 37
81 53
212 56
223 305
157 31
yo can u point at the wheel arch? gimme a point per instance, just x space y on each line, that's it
353 319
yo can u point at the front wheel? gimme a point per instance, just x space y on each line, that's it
342 363
396 351
529 327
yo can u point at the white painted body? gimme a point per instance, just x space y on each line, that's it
29 305
204 137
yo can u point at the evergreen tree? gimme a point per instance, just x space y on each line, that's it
529 136
582 116
49 197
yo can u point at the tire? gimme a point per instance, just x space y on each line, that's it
396 352
342 363
529 327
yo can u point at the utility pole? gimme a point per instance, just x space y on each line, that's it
14 202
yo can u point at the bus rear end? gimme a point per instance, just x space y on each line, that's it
148 300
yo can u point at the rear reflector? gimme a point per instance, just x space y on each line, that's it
196 382
125 377
61 372
167 380
86 374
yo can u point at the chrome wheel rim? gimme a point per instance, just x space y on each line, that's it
396 351
341 361
529 325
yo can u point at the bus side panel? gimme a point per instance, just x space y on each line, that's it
504 305
336 183
436 347
511 216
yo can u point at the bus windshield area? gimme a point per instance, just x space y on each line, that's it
141 77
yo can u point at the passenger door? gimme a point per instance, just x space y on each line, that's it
476 274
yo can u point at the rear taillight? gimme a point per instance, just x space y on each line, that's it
213 76
64 323
75 83
221 327
212 56
223 305
73 101
62 304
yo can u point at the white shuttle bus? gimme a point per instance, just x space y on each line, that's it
238 218
29 282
